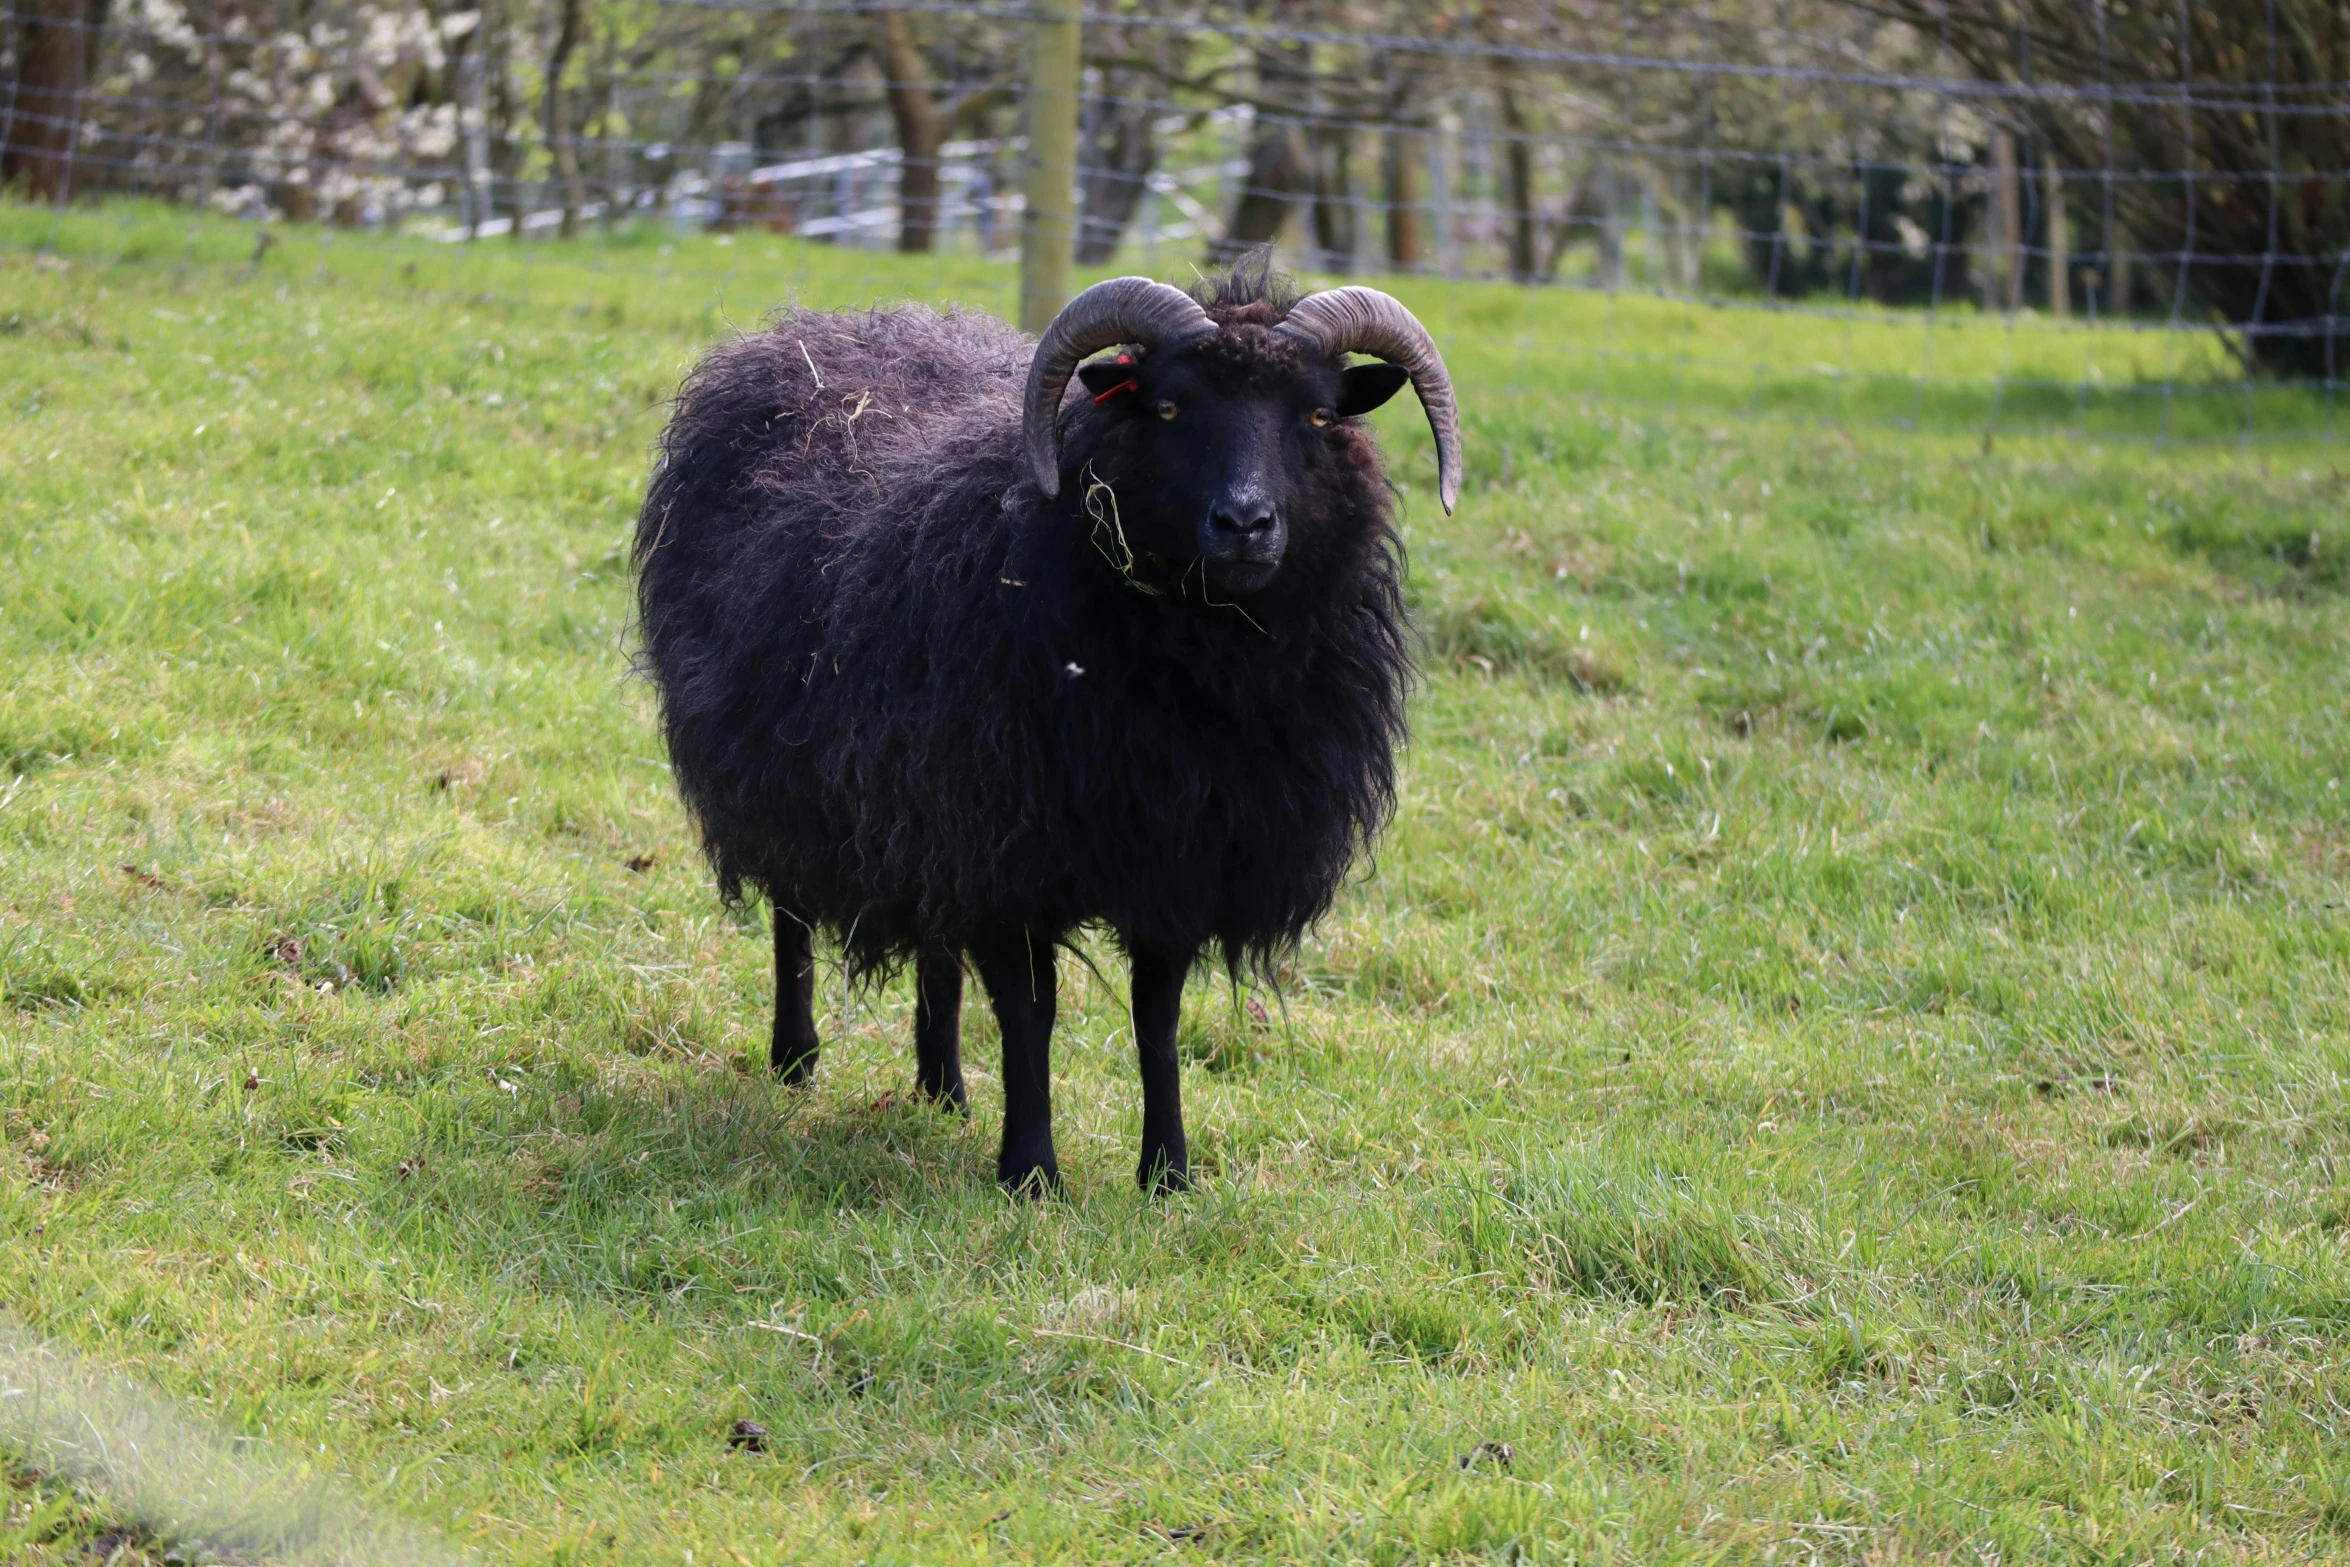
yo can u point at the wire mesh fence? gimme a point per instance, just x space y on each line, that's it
2101 220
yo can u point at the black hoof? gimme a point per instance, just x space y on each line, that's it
794 1071
1033 1181
950 1097
1159 1178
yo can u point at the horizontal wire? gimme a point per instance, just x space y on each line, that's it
2297 179
371 161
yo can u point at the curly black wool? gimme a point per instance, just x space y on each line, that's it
907 697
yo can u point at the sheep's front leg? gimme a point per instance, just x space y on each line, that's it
1016 966
1159 972
793 1054
938 1027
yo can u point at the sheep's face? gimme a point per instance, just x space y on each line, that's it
1208 453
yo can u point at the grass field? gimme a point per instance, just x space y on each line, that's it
1841 1057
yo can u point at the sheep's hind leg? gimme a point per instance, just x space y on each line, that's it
1159 972
1016 966
938 1028
793 1054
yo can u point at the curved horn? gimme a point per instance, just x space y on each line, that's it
1122 310
1358 320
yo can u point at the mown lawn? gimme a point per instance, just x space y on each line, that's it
1842 1054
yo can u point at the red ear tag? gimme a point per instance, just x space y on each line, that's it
1123 387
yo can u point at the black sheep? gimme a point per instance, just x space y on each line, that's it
949 664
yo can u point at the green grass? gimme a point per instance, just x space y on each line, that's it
43 1522
1842 1054
1954 371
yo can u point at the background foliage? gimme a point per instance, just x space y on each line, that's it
2180 163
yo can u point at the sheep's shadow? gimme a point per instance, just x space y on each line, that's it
807 1148
638 1184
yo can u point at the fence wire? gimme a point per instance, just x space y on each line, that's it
1942 215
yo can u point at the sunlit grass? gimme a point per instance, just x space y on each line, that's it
1954 370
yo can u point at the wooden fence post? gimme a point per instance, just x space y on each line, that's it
1048 226
2060 250
2007 225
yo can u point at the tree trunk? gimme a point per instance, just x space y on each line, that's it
1334 205
1276 174
1116 154
1280 166
508 113
1525 224
472 72
560 140
1681 228
1596 205
1407 236
1607 184
921 132
1760 201
52 61
215 68
608 129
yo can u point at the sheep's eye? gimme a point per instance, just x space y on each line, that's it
1322 418
1166 410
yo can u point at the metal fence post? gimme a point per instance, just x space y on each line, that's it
1048 226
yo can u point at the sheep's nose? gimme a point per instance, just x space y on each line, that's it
1241 519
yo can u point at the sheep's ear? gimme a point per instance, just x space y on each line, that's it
1365 387
1104 374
